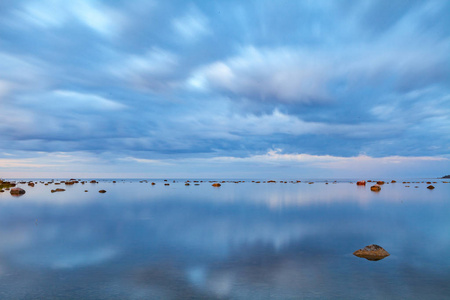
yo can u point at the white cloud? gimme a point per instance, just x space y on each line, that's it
102 19
283 74
22 72
192 26
57 13
5 88
72 99
152 70
309 75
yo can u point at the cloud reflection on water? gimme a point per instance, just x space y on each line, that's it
231 242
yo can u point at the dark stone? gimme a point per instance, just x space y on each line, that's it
17 191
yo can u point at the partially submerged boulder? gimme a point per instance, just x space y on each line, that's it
362 182
372 252
102 191
430 187
375 188
17 191
216 184
57 190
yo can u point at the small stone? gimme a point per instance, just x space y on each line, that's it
375 188
430 187
362 182
102 191
17 191
216 184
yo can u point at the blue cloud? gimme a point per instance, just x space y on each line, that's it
180 80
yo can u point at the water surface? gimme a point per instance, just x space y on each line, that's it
240 241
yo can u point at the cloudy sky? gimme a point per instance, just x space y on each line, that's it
228 89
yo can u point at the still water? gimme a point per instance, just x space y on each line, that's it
239 241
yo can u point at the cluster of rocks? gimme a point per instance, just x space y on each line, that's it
7 185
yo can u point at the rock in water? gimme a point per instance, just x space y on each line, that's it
17 191
216 184
102 191
362 182
372 252
430 187
375 188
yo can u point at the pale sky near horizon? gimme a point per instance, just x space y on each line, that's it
224 89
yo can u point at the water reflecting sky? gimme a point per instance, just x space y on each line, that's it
239 241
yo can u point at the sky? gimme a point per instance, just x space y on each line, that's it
224 89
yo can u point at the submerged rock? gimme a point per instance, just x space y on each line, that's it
362 182
58 190
17 191
372 252
216 184
102 191
430 187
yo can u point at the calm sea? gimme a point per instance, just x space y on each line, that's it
242 240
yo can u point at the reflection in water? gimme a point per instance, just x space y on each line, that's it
242 241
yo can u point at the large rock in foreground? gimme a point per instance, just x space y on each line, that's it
372 252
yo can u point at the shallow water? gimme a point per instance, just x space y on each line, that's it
239 241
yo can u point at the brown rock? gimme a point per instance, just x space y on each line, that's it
17 191
375 188
372 252
430 187
362 182
58 190
380 182
216 184
102 191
